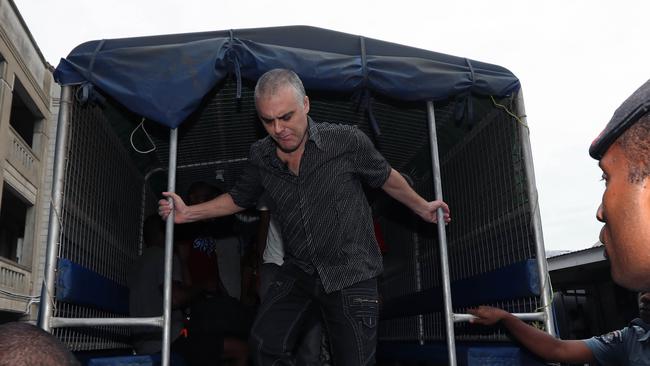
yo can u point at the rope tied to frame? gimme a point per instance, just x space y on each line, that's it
153 144
501 106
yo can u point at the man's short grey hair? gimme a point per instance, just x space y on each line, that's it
273 80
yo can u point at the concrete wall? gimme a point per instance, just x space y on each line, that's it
27 169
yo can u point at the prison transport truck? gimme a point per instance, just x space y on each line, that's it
143 115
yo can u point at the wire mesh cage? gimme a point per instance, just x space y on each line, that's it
484 183
99 219
107 196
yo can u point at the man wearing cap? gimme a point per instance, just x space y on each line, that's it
623 149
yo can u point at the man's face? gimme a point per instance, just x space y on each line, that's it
284 117
625 211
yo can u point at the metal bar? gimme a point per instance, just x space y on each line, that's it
92 322
418 283
54 228
541 316
542 266
217 162
442 236
169 242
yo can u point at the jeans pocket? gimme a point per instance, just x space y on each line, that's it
363 306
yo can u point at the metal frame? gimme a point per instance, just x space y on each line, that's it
46 319
451 318
169 247
542 265
442 235
55 208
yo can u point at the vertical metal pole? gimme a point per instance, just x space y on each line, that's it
542 267
169 243
442 236
54 225
418 283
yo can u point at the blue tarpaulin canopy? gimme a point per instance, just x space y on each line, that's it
164 78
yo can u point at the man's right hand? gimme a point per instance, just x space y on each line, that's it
180 208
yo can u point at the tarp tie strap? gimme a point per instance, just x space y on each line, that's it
86 91
371 117
238 76
469 103
83 93
235 63
366 99
91 65
471 70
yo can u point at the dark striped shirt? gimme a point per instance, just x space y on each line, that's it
323 213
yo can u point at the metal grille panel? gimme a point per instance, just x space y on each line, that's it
100 218
90 338
484 182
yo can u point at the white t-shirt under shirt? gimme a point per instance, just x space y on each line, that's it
274 251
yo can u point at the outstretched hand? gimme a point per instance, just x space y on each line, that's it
487 315
430 211
180 208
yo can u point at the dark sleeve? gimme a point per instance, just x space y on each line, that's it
248 188
369 164
611 348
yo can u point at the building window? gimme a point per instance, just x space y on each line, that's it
14 211
25 117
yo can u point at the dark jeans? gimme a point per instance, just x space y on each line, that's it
308 347
350 316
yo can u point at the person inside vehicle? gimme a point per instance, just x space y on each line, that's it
210 261
145 282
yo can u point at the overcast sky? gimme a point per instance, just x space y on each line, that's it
577 61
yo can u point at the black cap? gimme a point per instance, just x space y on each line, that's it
625 116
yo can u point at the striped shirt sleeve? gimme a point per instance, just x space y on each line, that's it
369 164
248 188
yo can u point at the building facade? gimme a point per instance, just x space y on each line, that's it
28 108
